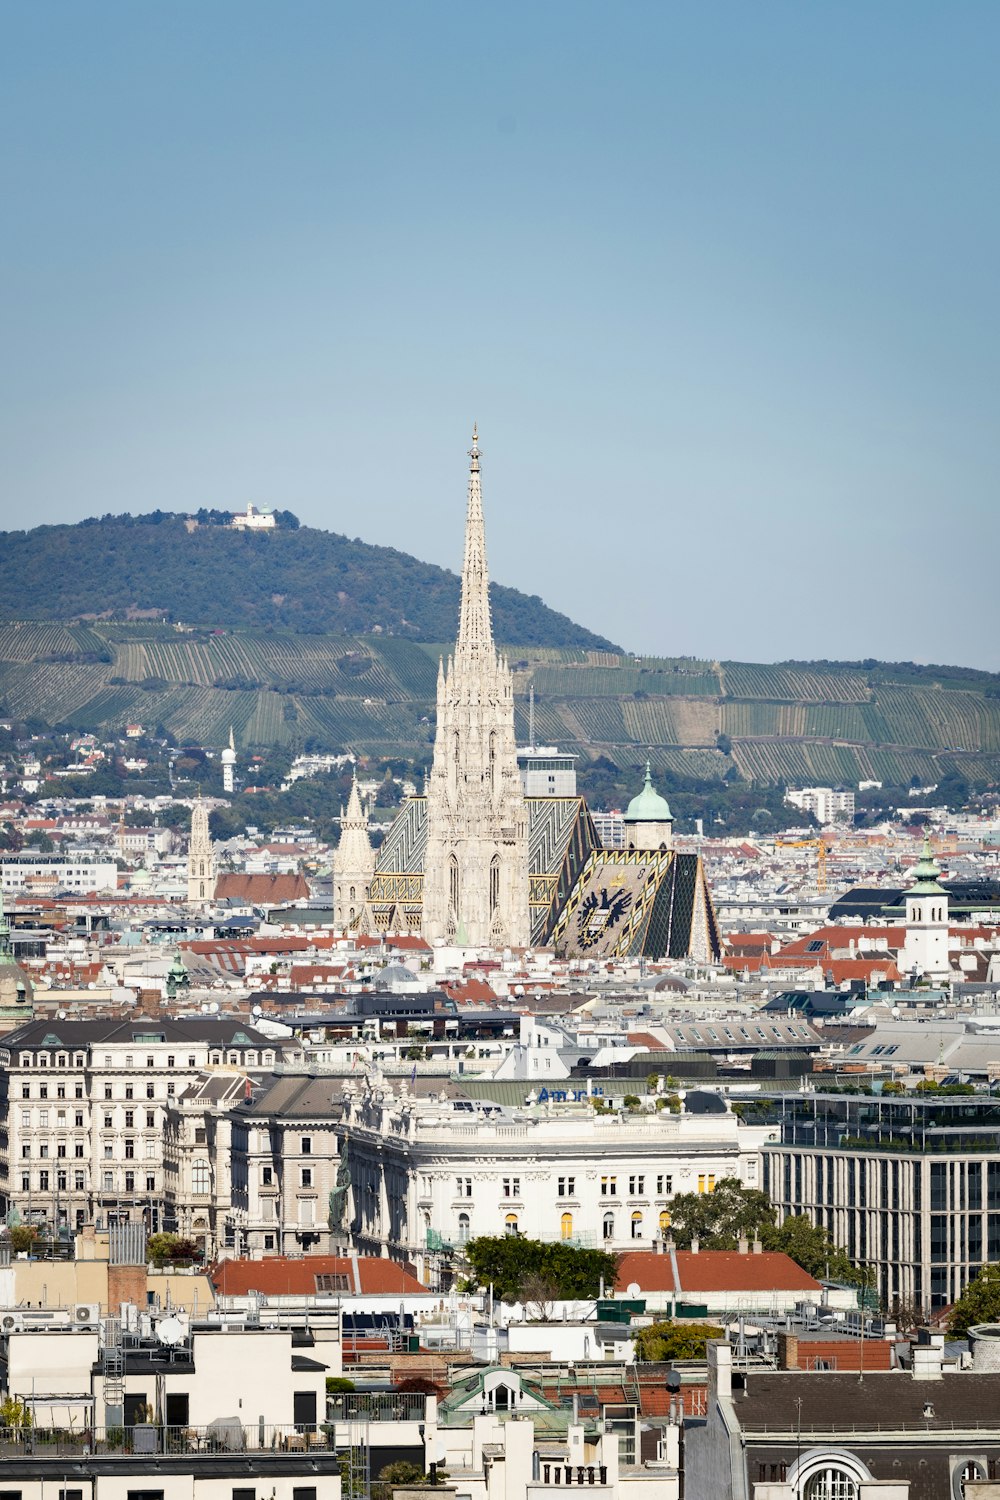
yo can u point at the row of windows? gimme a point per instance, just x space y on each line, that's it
302 1492
62 1060
46 1182
566 1186
512 1225
60 1119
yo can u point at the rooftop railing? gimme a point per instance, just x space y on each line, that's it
376 1406
169 1441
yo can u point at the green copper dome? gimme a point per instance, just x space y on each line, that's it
649 806
926 873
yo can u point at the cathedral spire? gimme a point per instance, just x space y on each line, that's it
475 634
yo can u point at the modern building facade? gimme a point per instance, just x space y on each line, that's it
909 1185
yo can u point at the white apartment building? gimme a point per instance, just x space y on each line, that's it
57 872
610 828
425 1175
823 802
85 1105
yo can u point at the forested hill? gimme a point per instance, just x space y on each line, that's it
295 578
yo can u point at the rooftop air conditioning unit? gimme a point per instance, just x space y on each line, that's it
11 1323
87 1314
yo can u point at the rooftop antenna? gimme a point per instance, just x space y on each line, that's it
531 716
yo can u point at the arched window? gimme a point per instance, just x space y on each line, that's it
637 1226
665 1221
566 1226
463 1228
510 1224
454 884
608 1227
494 883
971 1472
831 1482
353 896
493 758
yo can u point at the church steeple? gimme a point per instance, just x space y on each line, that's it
353 863
476 851
475 632
201 860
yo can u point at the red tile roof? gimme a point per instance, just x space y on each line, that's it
279 1275
713 1271
261 890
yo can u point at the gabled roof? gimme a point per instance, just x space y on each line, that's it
713 1271
261 890
280 1275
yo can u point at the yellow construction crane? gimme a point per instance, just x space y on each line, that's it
820 846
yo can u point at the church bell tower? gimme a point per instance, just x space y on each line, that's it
476 860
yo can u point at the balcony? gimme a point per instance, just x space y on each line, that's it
169 1442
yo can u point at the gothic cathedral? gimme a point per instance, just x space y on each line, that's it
476 860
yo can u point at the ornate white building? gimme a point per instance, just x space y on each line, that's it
201 861
353 864
476 860
425 1175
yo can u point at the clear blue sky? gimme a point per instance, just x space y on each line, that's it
718 281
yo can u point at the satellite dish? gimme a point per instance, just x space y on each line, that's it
61 1014
170 1331
256 1010
633 1289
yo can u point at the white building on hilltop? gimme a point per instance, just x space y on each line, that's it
476 861
425 1174
253 519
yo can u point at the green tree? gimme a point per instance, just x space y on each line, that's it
513 1264
811 1247
22 1238
979 1303
164 1247
14 1413
661 1342
719 1219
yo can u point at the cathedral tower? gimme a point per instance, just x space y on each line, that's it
353 864
201 861
476 860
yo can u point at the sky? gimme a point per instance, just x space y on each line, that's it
718 282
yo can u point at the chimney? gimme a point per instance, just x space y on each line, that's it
927 1355
757 1247
720 1370
788 1351
742 1245
695 1247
